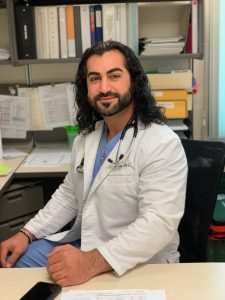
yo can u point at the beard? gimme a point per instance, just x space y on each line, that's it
106 109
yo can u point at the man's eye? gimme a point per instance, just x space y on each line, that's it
115 76
93 79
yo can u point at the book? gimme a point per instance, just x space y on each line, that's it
78 38
53 29
62 32
25 31
42 32
85 26
98 23
70 31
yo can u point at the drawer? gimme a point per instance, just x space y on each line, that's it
10 228
17 202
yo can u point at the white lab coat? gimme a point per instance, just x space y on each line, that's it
131 211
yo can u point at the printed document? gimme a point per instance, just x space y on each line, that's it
41 157
36 111
14 112
55 105
114 295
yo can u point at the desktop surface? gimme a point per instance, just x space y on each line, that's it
197 281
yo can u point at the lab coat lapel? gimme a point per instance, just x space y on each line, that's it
90 150
107 167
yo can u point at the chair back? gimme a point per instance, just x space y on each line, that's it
206 161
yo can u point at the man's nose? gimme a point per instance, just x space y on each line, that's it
105 85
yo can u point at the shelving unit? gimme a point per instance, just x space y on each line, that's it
38 71
171 11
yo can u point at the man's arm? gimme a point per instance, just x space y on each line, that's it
16 246
68 265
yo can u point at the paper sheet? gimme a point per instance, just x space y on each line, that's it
114 295
55 105
12 133
36 112
14 112
12 153
42 157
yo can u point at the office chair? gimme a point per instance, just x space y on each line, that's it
206 161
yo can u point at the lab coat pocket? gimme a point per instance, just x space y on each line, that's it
122 174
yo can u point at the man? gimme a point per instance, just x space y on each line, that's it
126 184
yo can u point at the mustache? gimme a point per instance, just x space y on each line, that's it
108 94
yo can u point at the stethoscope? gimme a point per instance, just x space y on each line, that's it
133 122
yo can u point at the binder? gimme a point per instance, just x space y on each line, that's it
53 28
62 32
85 26
70 31
77 22
92 23
25 27
98 23
42 33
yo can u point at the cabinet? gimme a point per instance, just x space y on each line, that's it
19 203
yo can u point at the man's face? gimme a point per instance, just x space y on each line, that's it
108 83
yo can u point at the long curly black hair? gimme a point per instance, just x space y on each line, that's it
145 105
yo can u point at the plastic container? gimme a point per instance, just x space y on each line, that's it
72 132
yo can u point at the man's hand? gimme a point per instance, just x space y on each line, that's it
15 246
68 265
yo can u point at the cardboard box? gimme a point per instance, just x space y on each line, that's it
174 102
173 80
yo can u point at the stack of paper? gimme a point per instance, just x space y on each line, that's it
162 45
114 295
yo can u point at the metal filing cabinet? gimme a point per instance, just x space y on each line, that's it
18 204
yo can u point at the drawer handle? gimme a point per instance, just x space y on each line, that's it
14 197
17 225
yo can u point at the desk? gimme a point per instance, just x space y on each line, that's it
21 177
23 171
203 281
13 164
20 171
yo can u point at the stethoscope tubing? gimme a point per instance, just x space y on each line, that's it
131 123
